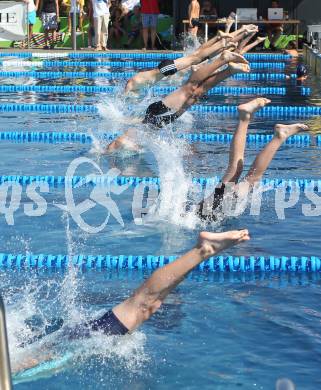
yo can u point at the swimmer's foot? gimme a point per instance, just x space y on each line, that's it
224 35
283 132
229 56
239 68
213 243
250 28
248 109
123 143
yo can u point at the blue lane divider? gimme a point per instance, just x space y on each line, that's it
288 111
250 56
225 138
134 181
48 108
121 64
127 75
156 90
214 264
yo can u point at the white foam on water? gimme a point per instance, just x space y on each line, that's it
58 297
49 55
175 182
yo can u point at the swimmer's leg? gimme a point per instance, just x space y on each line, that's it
148 298
208 50
263 160
237 148
245 41
206 209
247 48
125 141
204 79
144 78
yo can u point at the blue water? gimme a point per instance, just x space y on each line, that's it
215 331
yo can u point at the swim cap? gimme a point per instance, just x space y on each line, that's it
301 70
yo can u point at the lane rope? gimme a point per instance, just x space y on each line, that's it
155 90
139 55
132 262
128 75
134 181
119 64
224 138
284 111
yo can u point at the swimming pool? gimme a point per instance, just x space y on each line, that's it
207 334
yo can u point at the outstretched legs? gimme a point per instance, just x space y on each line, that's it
237 148
204 79
207 208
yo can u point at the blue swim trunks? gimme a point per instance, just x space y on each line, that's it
32 17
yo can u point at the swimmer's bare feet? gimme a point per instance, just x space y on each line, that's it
248 109
283 132
239 68
250 28
213 243
229 56
224 35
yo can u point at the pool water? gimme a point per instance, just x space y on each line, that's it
222 331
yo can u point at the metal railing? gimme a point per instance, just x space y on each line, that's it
5 371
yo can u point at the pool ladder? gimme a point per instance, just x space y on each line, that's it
5 371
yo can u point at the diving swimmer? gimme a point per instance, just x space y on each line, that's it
171 107
207 51
148 298
208 208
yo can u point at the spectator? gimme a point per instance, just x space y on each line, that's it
31 15
193 16
50 19
116 30
91 29
150 12
79 11
135 22
101 22
274 30
207 10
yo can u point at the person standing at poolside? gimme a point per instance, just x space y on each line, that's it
50 19
31 15
274 30
150 12
193 16
101 21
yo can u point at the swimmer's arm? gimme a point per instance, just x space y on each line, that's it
30 361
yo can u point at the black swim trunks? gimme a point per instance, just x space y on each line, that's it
209 215
159 115
167 67
108 324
